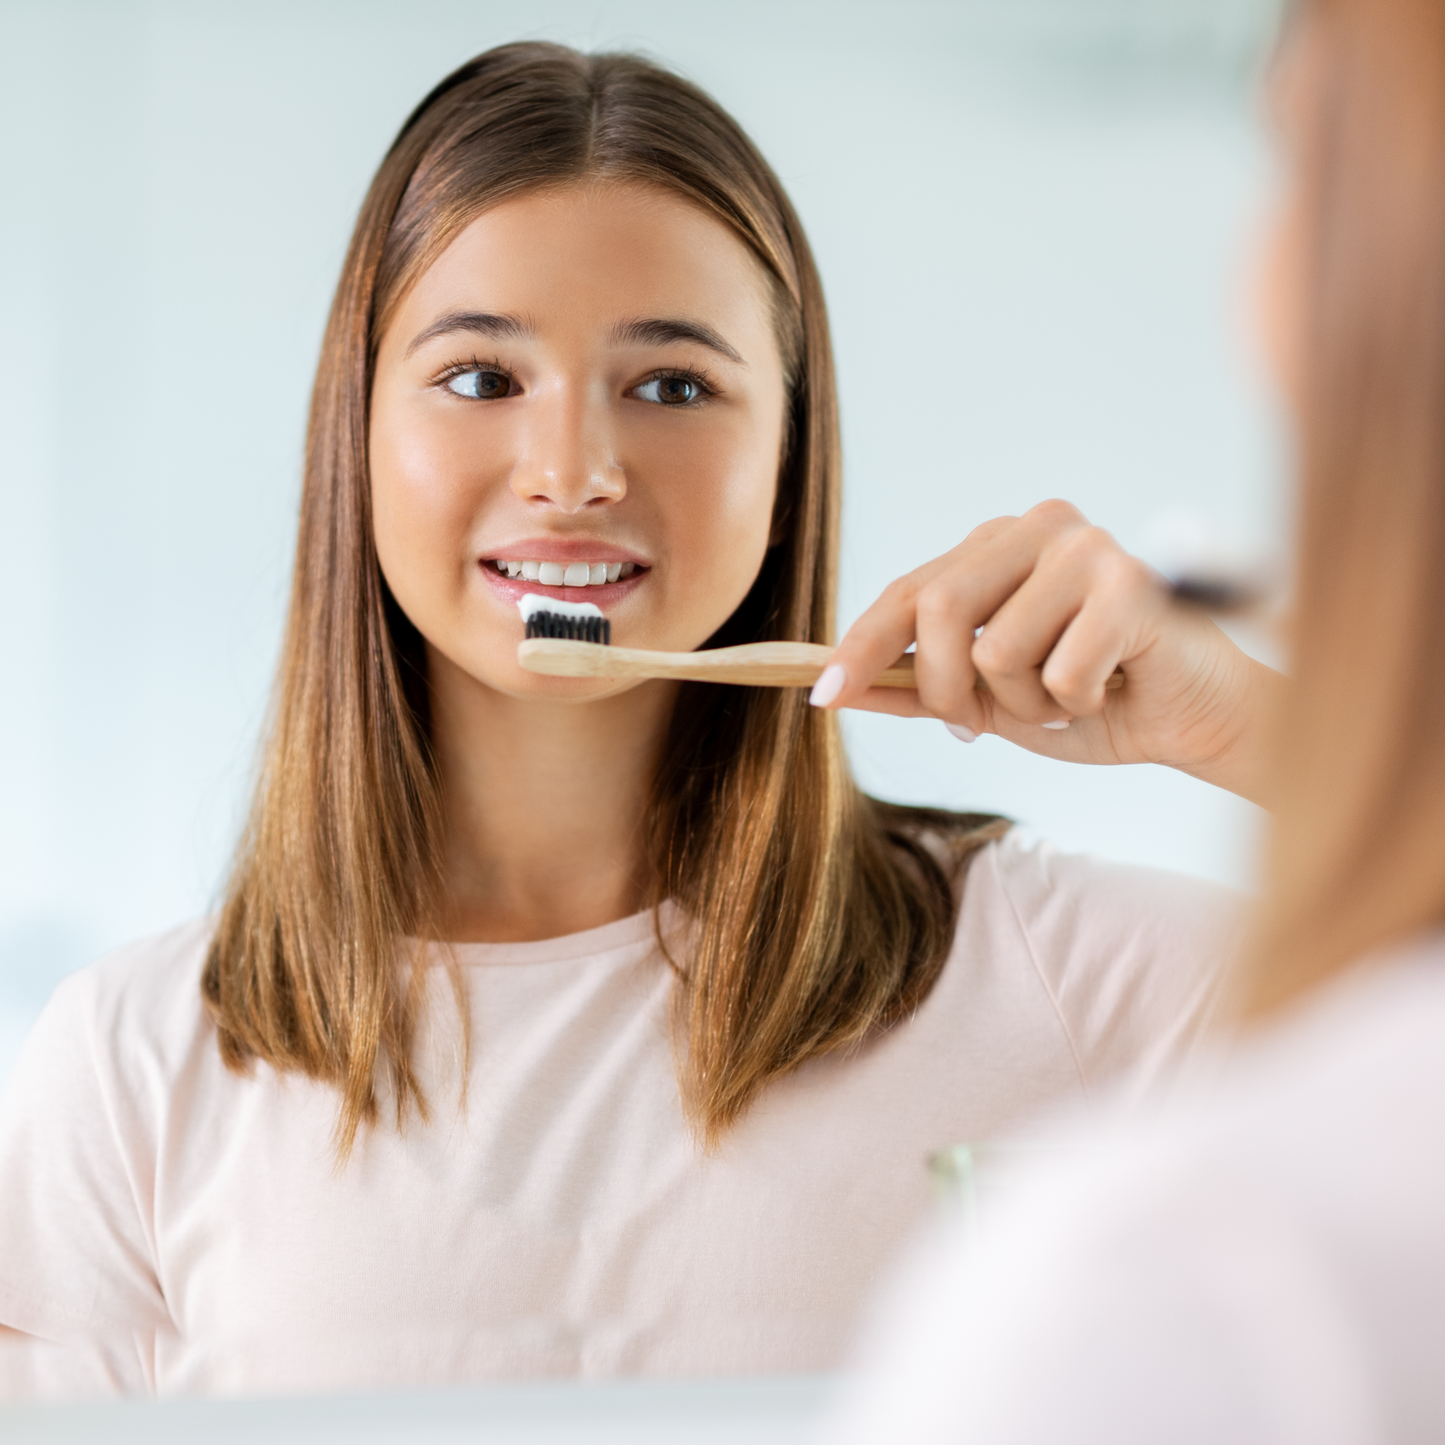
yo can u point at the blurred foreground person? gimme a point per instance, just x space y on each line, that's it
1263 1259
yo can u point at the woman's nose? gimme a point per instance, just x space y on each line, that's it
567 459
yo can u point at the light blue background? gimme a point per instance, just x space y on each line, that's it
1033 219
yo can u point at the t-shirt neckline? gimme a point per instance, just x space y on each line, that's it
607 938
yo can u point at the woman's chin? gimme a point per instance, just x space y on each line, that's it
494 668
572 690
511 680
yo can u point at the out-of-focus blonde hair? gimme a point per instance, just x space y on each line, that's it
1357 854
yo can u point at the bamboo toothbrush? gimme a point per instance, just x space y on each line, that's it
573 639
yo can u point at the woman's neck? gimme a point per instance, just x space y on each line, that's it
542 806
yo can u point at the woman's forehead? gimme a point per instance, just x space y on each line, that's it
593 253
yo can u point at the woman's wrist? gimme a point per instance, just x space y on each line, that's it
1242 765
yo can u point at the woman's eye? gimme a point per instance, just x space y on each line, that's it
669 390
480 385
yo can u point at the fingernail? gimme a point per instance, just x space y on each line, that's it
1058 727
829 685
963 734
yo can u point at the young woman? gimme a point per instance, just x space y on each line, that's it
1263 1260
552 1027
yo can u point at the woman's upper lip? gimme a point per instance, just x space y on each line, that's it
561 549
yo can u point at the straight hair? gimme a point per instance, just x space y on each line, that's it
1356 859
820 916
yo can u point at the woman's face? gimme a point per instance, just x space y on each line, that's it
581 398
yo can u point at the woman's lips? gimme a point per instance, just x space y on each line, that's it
561 549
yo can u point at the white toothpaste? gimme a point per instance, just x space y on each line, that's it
531 605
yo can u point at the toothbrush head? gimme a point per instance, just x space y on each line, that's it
574 621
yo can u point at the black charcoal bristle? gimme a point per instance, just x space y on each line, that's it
573 629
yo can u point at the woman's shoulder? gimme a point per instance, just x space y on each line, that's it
145 993
1071 906
146 971
1129 958
1038 877
111 1042
82 1123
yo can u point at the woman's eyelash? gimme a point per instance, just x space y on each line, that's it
461 368
699 378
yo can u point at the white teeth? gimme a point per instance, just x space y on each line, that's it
565 574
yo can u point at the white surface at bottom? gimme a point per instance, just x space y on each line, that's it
762 1412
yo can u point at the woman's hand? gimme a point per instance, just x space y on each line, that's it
1044 607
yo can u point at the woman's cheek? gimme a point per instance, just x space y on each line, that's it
738 523
401 548
420 517
427 462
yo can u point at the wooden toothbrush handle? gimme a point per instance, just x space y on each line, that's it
755 664
901 675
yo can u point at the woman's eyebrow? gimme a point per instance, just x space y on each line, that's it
479 323
658 331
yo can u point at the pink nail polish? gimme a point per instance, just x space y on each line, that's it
1057 727
829 685
963 734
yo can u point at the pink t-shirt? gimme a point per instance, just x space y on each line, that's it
167 1226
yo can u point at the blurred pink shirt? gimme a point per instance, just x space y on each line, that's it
1257 1260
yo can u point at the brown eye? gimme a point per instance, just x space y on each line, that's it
669 390
480 385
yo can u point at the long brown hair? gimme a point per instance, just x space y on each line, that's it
1357 856
821 915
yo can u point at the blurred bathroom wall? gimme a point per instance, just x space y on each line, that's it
1033 218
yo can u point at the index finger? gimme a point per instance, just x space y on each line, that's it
886 630
876 640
